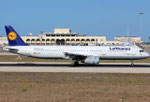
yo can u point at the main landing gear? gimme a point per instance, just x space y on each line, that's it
76 63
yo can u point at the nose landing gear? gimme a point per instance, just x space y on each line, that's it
132 62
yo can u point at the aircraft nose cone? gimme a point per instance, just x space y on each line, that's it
147 54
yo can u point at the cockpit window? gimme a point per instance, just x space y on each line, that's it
141 50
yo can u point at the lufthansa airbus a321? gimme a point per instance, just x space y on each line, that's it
85 54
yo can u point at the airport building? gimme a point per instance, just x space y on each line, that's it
66 37
131 38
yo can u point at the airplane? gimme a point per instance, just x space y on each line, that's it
89 55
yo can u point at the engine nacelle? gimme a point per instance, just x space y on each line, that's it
92 60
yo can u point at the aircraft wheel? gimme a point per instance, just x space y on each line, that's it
76 63
132 63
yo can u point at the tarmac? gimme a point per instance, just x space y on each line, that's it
68 67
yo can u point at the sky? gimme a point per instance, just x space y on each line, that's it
108 18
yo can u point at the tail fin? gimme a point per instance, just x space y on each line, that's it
13 38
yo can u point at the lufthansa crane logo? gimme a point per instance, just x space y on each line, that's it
12 36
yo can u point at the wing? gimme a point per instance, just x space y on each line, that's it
74 56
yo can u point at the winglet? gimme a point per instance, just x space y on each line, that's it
13 38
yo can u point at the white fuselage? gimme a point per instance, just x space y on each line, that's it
103 52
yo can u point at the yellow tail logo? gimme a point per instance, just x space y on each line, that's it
12 36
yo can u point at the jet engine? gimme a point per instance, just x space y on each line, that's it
92 60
